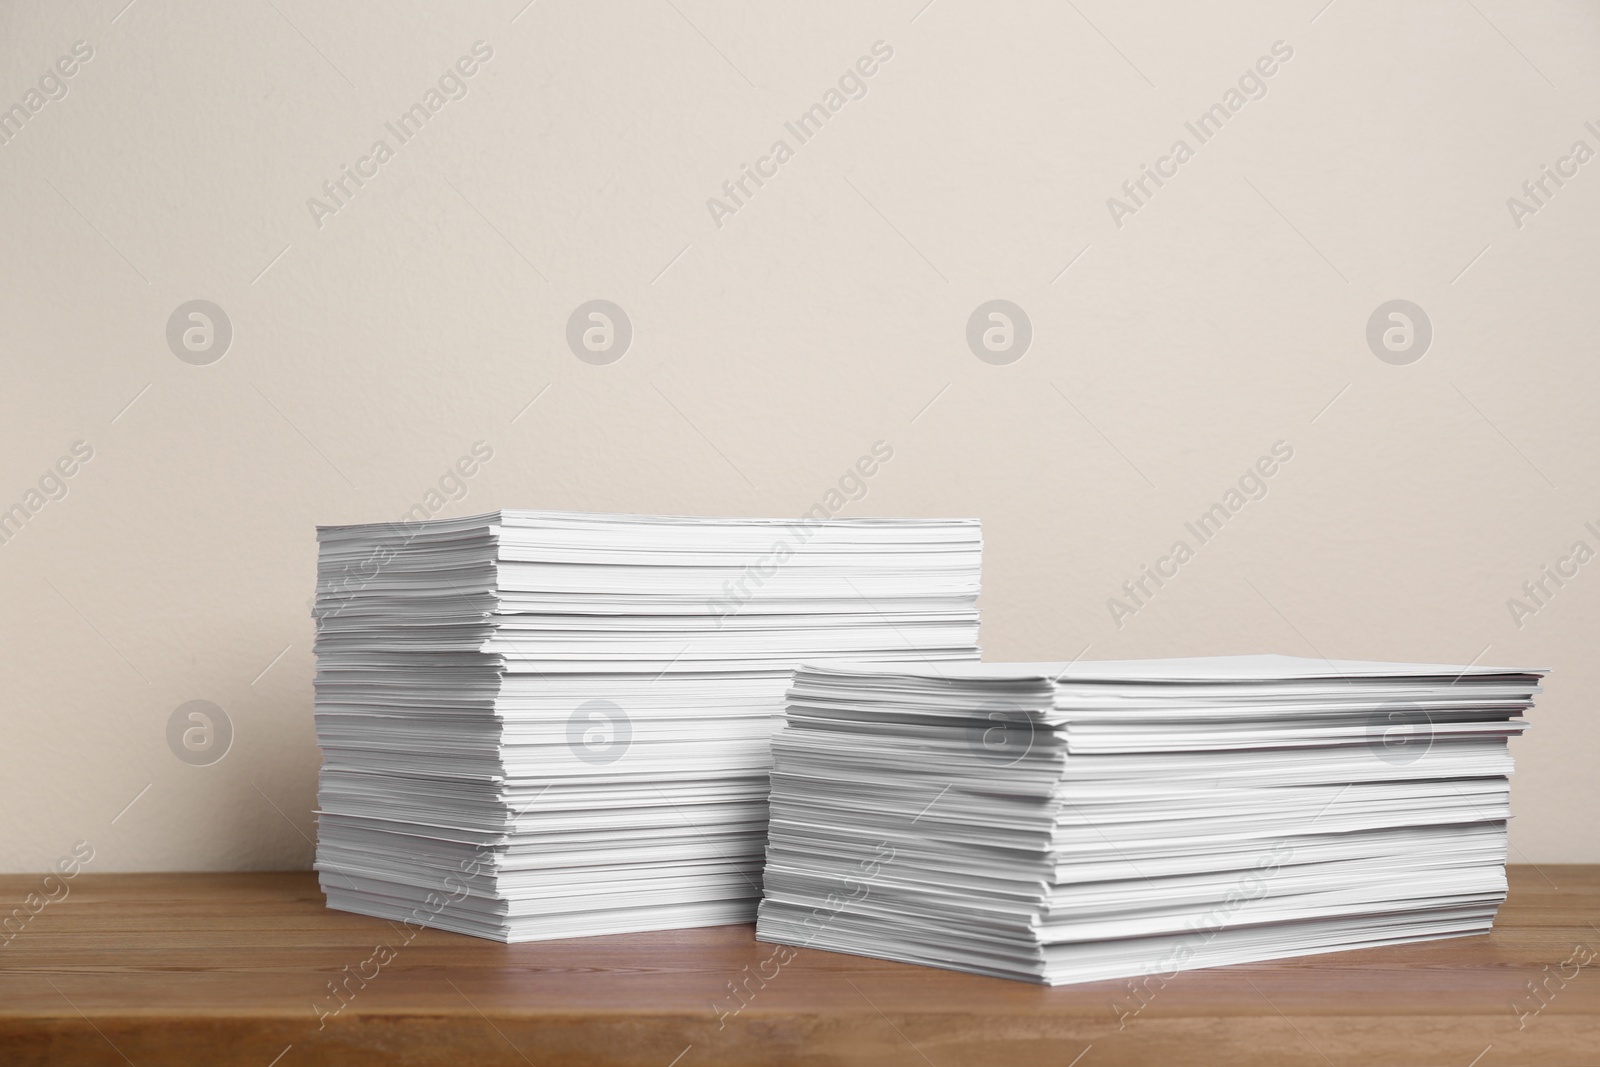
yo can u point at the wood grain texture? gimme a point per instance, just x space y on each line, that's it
159 969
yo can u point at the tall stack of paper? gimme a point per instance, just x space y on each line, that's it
541 724
1064 823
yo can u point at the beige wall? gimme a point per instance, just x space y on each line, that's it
826 313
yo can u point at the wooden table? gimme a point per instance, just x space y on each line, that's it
202 969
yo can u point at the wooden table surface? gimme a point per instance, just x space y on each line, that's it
200 969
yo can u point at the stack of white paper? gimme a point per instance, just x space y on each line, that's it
1064 823
541 724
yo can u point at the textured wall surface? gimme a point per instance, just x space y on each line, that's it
371 315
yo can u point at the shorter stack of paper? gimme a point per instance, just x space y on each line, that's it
1075 822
